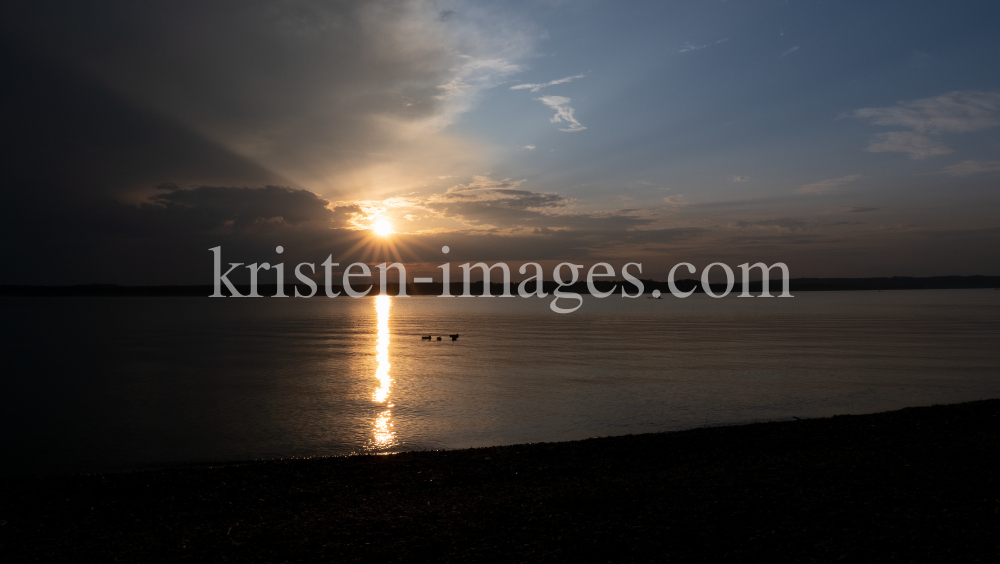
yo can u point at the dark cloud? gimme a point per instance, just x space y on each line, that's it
242 207
138 135
72 136
785 223
505 198
517 213
664 235
502 204
993 232
313 90
105 102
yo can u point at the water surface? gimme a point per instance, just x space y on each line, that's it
94 384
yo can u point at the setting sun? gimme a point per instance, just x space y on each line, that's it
382 227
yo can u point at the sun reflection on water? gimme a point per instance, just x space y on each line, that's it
383 436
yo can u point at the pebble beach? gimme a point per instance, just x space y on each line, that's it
920 484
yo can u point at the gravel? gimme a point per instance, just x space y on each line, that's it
915 485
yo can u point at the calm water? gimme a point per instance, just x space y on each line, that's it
93 384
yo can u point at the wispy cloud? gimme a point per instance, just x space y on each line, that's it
954 112
965 168
917 145
790 51
506 206
471 77
741 178
856 209
564 112
529 147
675 201
824 186
537 87
688 47
782 224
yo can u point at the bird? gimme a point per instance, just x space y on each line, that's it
454 337
427 338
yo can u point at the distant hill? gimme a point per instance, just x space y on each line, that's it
796 285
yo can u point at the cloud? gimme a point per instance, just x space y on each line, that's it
499 204
825 186
529 147
784 224
239 208
688 47
564 113
661 236
500 193
675 201
965 168
537 87
328 95
741 178
790 51
470 78
953 112
505 207
860 210
917 145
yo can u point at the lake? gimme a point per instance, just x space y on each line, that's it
102 384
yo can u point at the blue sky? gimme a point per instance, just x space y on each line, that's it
843 138
690 95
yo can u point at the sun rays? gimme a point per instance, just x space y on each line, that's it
379 241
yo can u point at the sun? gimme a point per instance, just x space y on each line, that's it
382 227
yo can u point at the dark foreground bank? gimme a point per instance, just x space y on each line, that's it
916 485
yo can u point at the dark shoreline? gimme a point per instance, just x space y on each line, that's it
476 288
915 485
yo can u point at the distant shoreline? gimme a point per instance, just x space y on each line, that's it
796 285
914 484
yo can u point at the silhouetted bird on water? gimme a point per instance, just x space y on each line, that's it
429 337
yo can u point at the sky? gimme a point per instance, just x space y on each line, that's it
845 139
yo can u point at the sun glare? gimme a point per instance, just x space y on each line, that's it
382 227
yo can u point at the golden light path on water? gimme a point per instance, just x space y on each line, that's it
383 434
